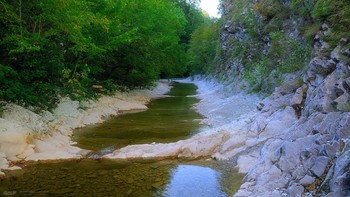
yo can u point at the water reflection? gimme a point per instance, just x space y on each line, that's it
167 120
123 178
194 181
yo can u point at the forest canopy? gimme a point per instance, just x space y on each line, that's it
62 48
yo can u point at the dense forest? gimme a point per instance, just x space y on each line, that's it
52 49
61 48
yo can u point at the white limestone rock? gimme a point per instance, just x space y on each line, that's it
320 166
279 122
13 138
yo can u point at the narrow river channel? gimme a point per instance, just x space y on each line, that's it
168 119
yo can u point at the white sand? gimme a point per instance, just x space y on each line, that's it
225 113
25 135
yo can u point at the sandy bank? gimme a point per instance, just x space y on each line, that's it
226 114
25 135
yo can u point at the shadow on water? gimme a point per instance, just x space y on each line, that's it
110 178
168 119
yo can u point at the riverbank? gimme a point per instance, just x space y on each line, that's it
25 135
281 153
226 116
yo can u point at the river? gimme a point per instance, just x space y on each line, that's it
167 120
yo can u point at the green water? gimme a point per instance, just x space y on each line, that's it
110 178
167 120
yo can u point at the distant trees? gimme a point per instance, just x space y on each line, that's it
203 48
51 48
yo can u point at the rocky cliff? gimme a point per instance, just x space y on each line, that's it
299 142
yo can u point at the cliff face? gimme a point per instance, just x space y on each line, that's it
302 56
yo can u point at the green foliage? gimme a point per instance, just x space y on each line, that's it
265 45
267 48
257 74
203 47
323 8
51 48
194 19
288 54
303 7
337 13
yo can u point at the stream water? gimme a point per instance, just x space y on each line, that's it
168 119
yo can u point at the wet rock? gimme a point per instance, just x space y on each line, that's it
320 166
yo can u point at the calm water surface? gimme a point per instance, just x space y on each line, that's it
167 120
110 178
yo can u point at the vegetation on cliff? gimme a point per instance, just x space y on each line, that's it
262 41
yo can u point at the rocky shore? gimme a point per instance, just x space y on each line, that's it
29 136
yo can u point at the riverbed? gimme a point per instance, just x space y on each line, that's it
166 120
169 119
